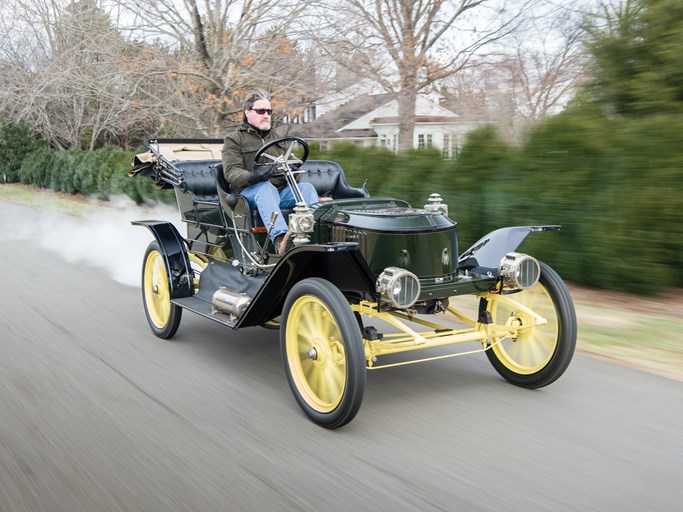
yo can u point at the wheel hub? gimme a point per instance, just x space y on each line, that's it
330 352
516 322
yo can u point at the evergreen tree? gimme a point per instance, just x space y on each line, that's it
638 54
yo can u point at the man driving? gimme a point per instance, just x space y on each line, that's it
260 186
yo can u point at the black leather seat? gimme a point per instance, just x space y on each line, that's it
198 179
325 175
328 179
225 195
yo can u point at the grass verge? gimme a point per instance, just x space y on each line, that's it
61 202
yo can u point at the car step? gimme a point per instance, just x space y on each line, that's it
204 309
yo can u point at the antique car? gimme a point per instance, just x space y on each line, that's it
370 282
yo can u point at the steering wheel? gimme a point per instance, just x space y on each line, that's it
285 160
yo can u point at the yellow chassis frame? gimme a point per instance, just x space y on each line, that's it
489 335
408 339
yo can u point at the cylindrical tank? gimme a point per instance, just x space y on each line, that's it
230 303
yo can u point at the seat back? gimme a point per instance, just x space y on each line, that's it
198 179
328 179
225 195
325 175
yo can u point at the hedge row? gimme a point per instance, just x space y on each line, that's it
101 173
616 187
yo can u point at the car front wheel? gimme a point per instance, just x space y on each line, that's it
539 353
323 352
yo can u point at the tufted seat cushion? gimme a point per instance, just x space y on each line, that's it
326 176
328 179
198 179
203 179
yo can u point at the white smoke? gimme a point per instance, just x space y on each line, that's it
104 239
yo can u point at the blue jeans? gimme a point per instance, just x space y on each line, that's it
265 197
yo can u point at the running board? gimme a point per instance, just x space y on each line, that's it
204 309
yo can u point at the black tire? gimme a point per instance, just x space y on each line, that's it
323 352
540 354
163 316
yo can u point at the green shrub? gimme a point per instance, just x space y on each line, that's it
85 173
35 168
17 141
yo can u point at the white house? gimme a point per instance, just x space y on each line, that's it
372 119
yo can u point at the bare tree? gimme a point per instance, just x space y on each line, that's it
211 54
184 67
407 46
63 73
544 72
535 76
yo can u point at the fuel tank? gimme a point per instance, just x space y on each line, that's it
391 233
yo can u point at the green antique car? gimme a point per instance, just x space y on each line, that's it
370 283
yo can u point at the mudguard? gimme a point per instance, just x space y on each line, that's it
173 247
341 263
488 250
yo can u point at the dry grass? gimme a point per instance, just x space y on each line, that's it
639 331
74 205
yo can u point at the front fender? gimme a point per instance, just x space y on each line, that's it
341 263
488 250
173 247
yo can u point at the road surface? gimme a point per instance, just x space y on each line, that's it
98 415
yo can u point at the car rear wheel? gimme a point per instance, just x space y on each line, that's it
539 354
323 352
162 315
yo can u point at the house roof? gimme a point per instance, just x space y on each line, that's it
328 125
359 116
426 111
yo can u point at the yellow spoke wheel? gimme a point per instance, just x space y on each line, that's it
534 354
162 315
323 352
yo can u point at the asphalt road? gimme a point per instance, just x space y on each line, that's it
96 414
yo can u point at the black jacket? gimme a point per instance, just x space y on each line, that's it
239 150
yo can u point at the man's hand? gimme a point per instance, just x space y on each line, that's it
295 165
261 173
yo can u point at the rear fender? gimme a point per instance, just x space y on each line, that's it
173 247
489 250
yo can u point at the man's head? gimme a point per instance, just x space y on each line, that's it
257 110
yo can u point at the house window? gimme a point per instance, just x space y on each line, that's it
450 146
309 114
424 141
394 143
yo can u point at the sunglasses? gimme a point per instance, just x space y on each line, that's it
261 111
